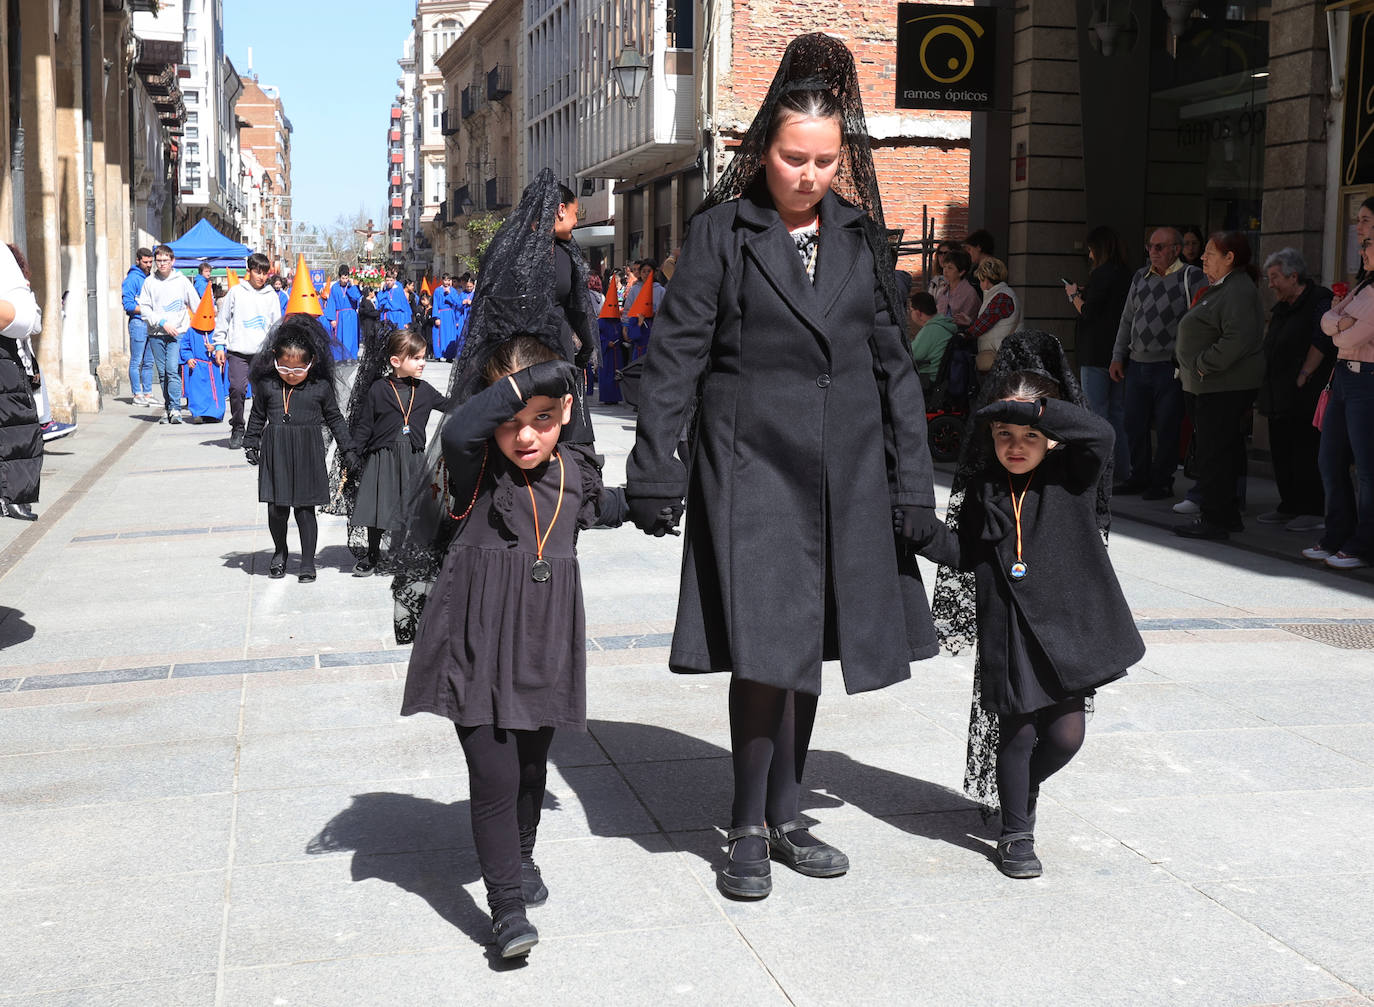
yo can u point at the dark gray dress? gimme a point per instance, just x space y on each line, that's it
291 464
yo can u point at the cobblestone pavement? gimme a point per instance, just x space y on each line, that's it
207 796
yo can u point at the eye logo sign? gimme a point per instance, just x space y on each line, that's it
944 59
956 65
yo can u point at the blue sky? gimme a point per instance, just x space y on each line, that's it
336 68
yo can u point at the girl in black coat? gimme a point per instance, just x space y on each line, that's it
293 398
1052 623
783 317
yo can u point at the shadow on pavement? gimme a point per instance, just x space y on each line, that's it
14 628
331 557
412 843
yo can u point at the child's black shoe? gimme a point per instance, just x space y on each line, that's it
1016 856
278 568
514 935
532 887
364 567
747 878
306 577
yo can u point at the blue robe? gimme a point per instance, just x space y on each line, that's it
607 390
341 308
283 296
637 331
447 301
206 384
394 305
200 283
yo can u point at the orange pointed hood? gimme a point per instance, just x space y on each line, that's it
643 306
611 309
231 277
303 296
204 318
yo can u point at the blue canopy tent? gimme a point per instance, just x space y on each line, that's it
204 242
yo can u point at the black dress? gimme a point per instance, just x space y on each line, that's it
21 438
291 465
494 646
392 455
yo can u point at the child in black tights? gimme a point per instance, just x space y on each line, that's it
501 644
293 398
1052 624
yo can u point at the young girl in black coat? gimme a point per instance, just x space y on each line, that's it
293 398
1027 517
389 431
501 644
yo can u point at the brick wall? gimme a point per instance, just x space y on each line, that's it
922 158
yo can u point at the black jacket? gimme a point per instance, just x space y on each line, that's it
811 427
21 438
1070 598
1293 330
1104 298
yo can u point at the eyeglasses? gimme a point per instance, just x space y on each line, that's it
294 372
1159 246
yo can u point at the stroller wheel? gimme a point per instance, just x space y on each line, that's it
945 434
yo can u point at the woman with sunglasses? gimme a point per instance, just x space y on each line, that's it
293 397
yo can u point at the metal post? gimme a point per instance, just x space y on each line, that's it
88 134
16 120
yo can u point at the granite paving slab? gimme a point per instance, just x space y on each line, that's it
111 724
117 775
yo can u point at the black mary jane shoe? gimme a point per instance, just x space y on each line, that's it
514 935
746 879
822 861
306 577
1201 528
18 511
532 887
364 567
1022 863
278 568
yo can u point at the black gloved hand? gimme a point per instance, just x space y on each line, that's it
583 355
656 516
613 508
352 462
251 455
1026 414
553 378
915 525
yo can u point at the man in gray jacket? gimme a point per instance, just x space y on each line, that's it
166 302
1160 295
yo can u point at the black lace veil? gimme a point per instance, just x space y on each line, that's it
817 62
953 608
514 296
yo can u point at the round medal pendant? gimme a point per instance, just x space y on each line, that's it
540 571
405 429
1018 570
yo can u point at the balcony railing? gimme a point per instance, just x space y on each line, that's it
467 103
498 193
462 200
498 82
448 126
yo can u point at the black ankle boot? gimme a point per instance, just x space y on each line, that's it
532 886
514 935
1016 856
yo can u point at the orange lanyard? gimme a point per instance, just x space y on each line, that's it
541 571
1018 569
286 403
405 410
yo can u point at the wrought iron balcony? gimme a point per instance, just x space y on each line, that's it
447 125
498 193
499 80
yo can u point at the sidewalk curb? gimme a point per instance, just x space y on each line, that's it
31 536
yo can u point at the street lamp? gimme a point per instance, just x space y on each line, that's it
630 71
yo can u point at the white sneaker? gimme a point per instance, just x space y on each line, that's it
1345 561
138 399
1186 506
1306 522
1316 552
1274 517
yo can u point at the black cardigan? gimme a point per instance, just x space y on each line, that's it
1070 598
382 418
1104 298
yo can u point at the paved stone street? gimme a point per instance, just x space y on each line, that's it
207 795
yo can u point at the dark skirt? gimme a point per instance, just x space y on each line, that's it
381 489
21 438
291 469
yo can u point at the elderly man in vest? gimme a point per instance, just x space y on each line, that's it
1143 357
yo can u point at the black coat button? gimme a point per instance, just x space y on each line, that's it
823 381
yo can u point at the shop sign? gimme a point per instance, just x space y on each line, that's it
946 57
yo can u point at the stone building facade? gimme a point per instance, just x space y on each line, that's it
265 133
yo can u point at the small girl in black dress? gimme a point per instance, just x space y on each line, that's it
293 398
389 431
501 648
1027 521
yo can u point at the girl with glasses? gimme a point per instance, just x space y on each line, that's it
293 400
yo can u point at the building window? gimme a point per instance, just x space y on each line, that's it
678 22
190 98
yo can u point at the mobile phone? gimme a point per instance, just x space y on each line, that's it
1064 281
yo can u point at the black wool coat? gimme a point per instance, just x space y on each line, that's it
1070 600
21 437
1293 330
811 427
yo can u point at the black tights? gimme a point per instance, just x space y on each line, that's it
1032 747
507 771
770 734
309 528
374 543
